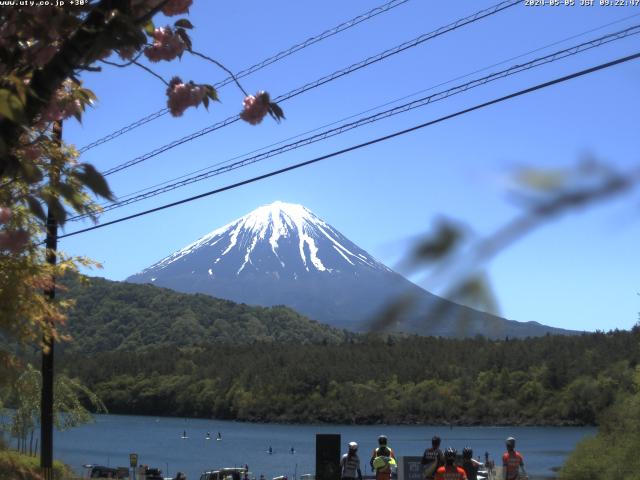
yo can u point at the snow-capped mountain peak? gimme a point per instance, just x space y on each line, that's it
284 254
279 236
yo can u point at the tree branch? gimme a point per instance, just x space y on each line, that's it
77 50
144 67
201 55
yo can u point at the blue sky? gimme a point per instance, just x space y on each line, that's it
580 272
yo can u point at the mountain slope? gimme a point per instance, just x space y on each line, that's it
283 254
110 316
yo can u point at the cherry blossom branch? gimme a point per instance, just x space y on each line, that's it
45 81
124 65
201 55
144 67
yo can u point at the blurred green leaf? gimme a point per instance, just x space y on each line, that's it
446 238
72 196
36 208
476 292
276 112
55 207
544 180
149 27
31 172
11 107
212 93
21 88
91 178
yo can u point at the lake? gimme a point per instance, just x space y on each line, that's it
158 443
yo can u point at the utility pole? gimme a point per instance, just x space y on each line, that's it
46 403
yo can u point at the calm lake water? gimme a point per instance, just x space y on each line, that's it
158 443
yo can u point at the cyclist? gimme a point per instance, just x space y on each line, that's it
469 464
512 461
432 459
350 464
382 459
450 471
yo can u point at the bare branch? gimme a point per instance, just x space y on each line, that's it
201 55
144 67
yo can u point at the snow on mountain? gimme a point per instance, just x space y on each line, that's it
283 254
320 246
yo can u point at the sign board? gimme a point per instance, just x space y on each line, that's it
410 468
327 456
133 460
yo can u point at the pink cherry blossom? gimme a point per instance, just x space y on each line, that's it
166 45
183 95
32 152
176 7
61 106
255 107
5 214
14 241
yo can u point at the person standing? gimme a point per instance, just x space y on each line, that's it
382 459
432 459
469 464
450 471
350 464
512 461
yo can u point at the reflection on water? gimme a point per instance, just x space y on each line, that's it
158 443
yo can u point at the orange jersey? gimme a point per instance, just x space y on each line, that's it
450 472
512 461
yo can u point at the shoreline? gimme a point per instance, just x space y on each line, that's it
377 423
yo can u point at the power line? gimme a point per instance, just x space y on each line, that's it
258 66
391 102
365 144
321 81
514 69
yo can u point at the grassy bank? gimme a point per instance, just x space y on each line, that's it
16 466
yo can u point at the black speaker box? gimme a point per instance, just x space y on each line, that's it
327 456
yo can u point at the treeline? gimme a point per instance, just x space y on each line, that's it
123 316
613 452
549 380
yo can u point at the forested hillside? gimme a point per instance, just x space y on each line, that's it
122 316
548 380
613 452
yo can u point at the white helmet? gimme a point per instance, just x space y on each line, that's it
353 446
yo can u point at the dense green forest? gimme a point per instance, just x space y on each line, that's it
548 380
613 452
124 316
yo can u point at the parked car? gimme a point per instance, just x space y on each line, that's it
225 474
153 474
100 471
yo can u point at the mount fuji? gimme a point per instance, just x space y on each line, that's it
283 254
